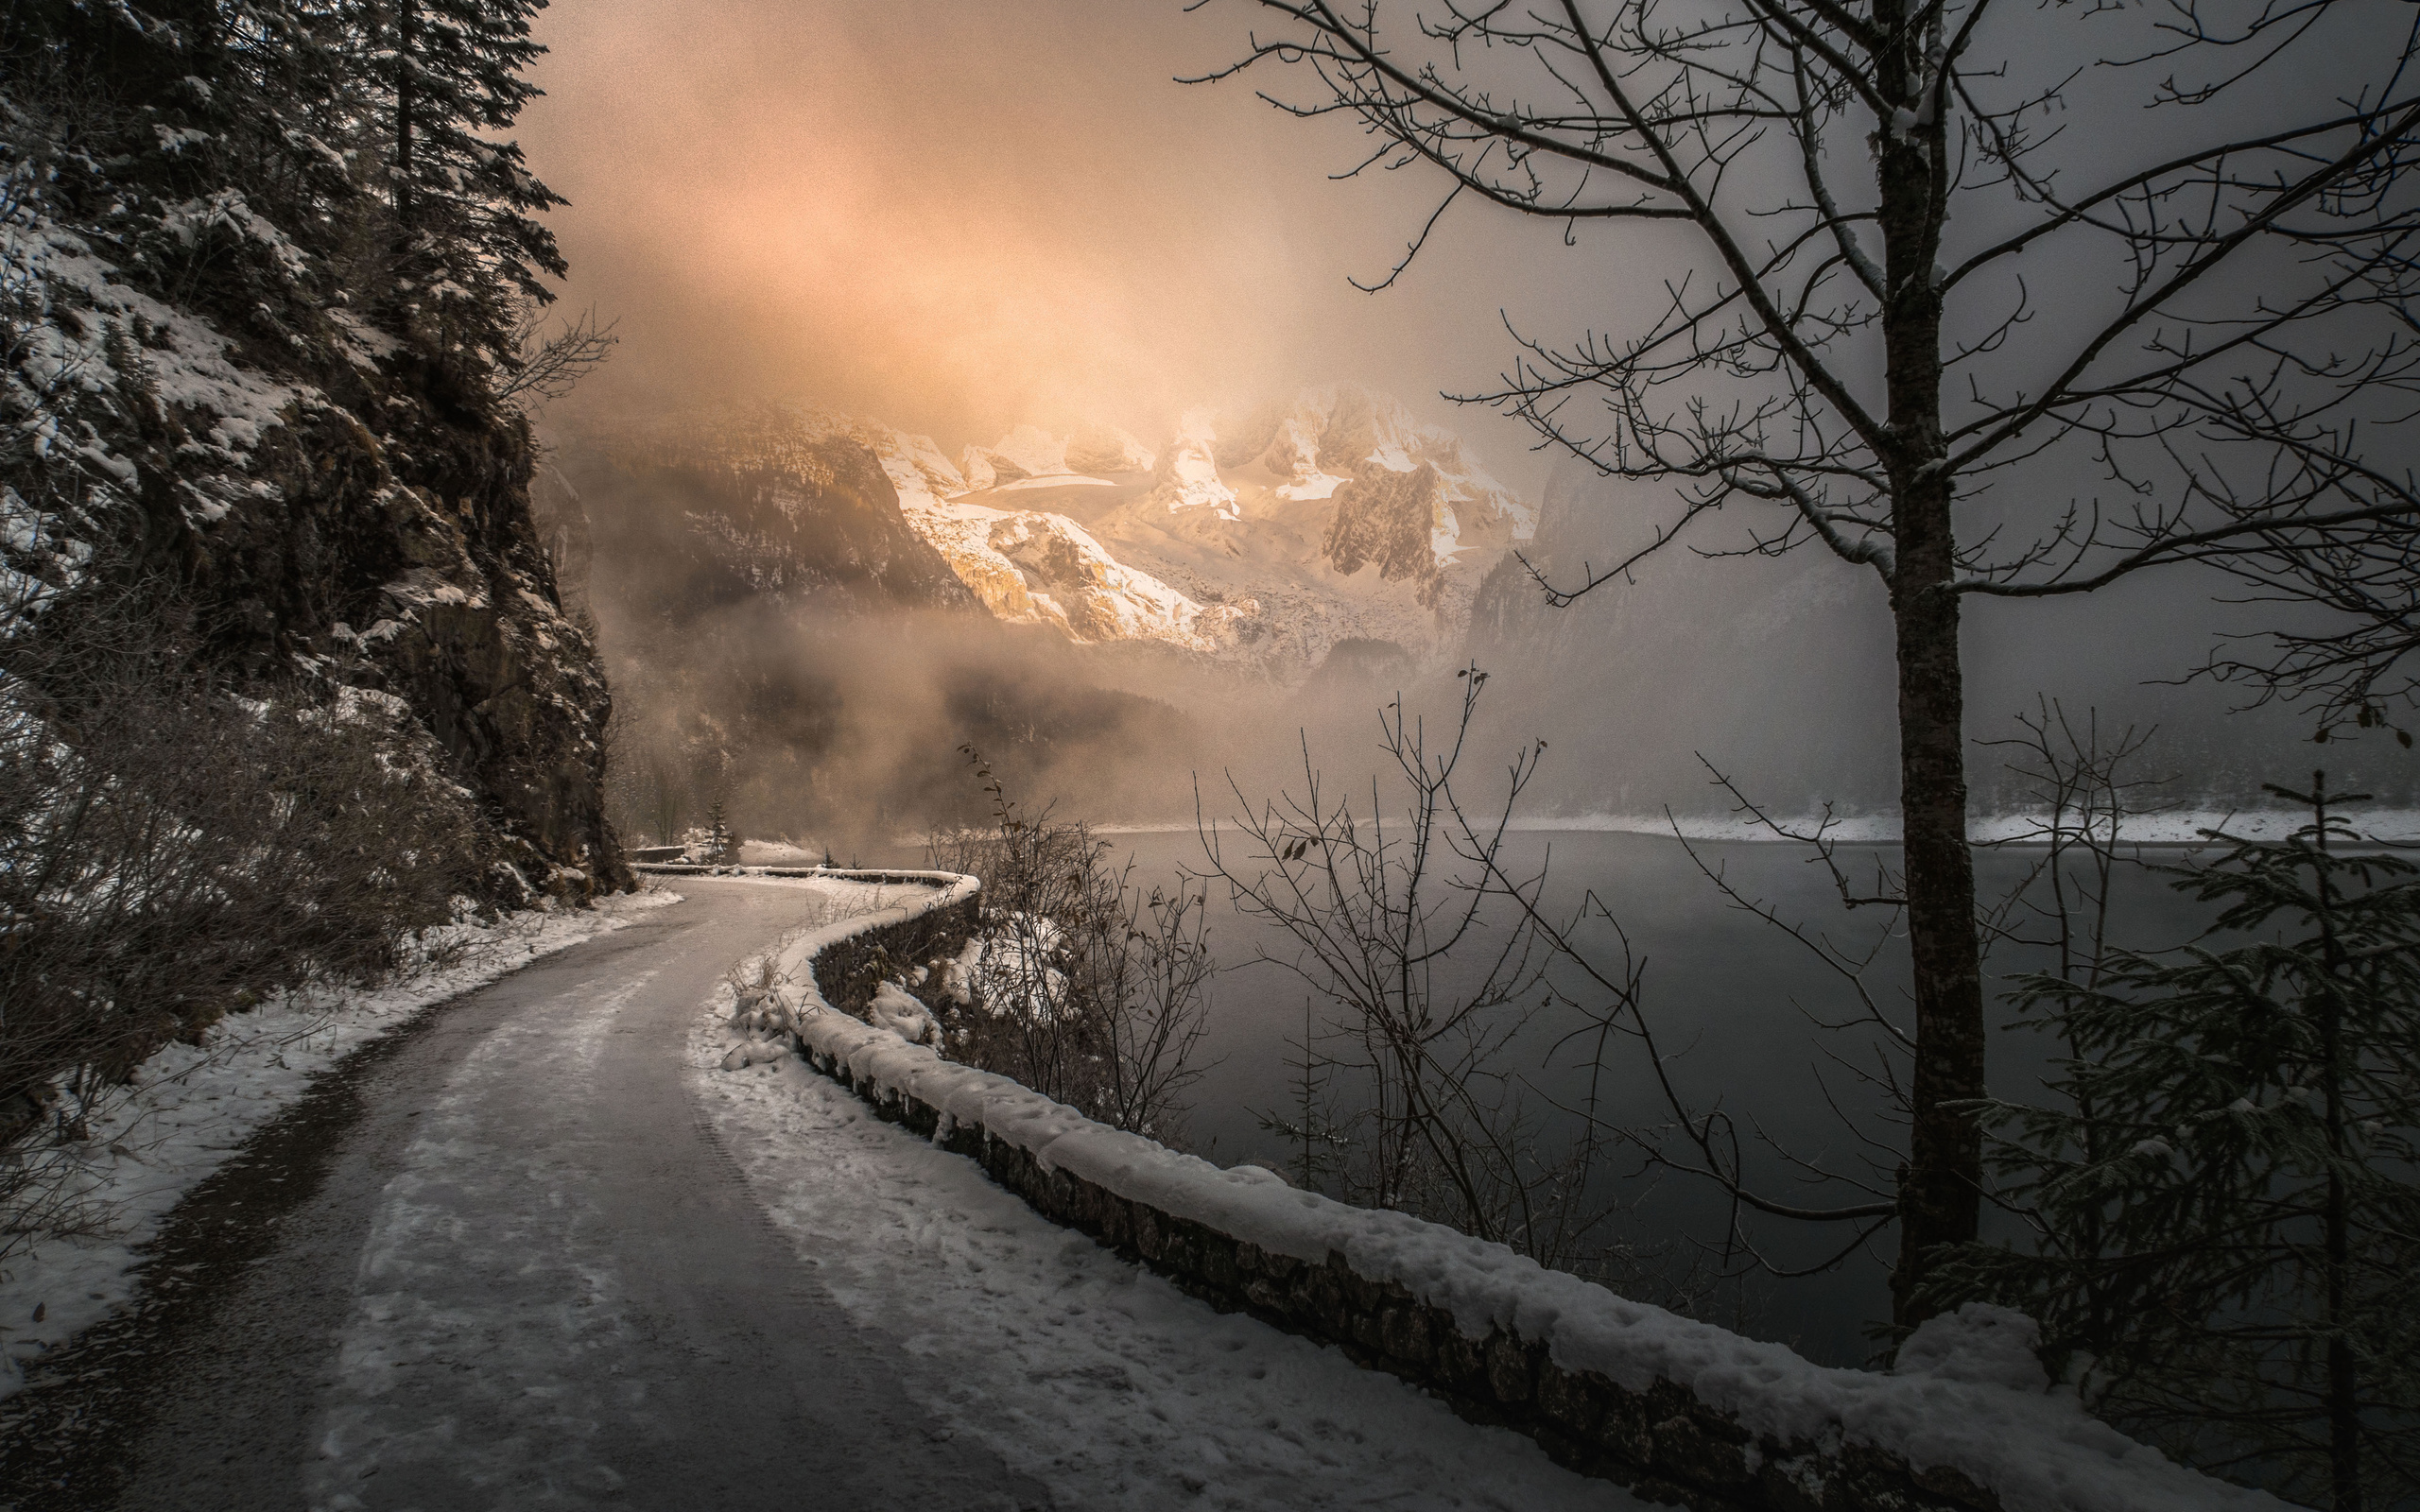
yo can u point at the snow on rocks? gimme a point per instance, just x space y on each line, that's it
1099 448
1963 1401
1030 456
90 342
764 1015
1187 475
191 1108
1033 452
1027 452
896 1012
1029 566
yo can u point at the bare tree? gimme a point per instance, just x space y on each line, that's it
549 364
2222 188
1078 982
1403 910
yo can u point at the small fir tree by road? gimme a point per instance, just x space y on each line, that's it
2225 1218
722 843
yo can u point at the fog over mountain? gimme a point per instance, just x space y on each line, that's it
810 614
1114 411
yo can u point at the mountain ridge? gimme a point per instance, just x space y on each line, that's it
1258 541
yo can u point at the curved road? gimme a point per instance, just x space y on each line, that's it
501 1263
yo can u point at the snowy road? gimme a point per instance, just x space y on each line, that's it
550 1257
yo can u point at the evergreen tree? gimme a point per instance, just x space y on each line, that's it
722 845
2227 1224
464 200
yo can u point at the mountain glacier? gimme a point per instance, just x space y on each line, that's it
1264 538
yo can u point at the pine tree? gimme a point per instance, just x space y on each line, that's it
2226 1197
721 844
464 201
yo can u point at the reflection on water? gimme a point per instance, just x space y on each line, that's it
1737 1003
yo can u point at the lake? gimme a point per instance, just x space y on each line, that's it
1734 1002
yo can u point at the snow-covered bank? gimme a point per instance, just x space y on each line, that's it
191 1108
1643 1395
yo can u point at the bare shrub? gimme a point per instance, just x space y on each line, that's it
171 853
1078 982
1430 952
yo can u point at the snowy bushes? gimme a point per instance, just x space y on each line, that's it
169 853
1077 982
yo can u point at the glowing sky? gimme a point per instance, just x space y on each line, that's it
957 217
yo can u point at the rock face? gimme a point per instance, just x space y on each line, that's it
703 509
1392 521
1187 475
1097 449
418 571
370 528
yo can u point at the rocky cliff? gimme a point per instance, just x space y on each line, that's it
239 381
377 533
697 511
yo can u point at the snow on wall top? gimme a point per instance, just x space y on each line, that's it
1962 1397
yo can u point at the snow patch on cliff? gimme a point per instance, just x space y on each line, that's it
1187 476
1034 567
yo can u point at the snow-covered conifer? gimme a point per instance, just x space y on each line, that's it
2224 1190
464 198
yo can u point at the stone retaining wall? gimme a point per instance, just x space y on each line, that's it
848 970
1661 1443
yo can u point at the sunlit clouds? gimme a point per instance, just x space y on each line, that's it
964 216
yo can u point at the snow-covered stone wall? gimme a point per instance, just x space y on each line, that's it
1674 1409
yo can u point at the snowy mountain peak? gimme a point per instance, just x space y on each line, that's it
1324 438
1033 566
1187 475
1330 516
912 462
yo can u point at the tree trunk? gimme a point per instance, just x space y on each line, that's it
403 102
1940 1187
2343 1381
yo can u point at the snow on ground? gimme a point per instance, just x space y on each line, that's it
778 853
192 1107
1089 1373
1056 480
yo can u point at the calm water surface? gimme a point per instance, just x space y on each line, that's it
1736 999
